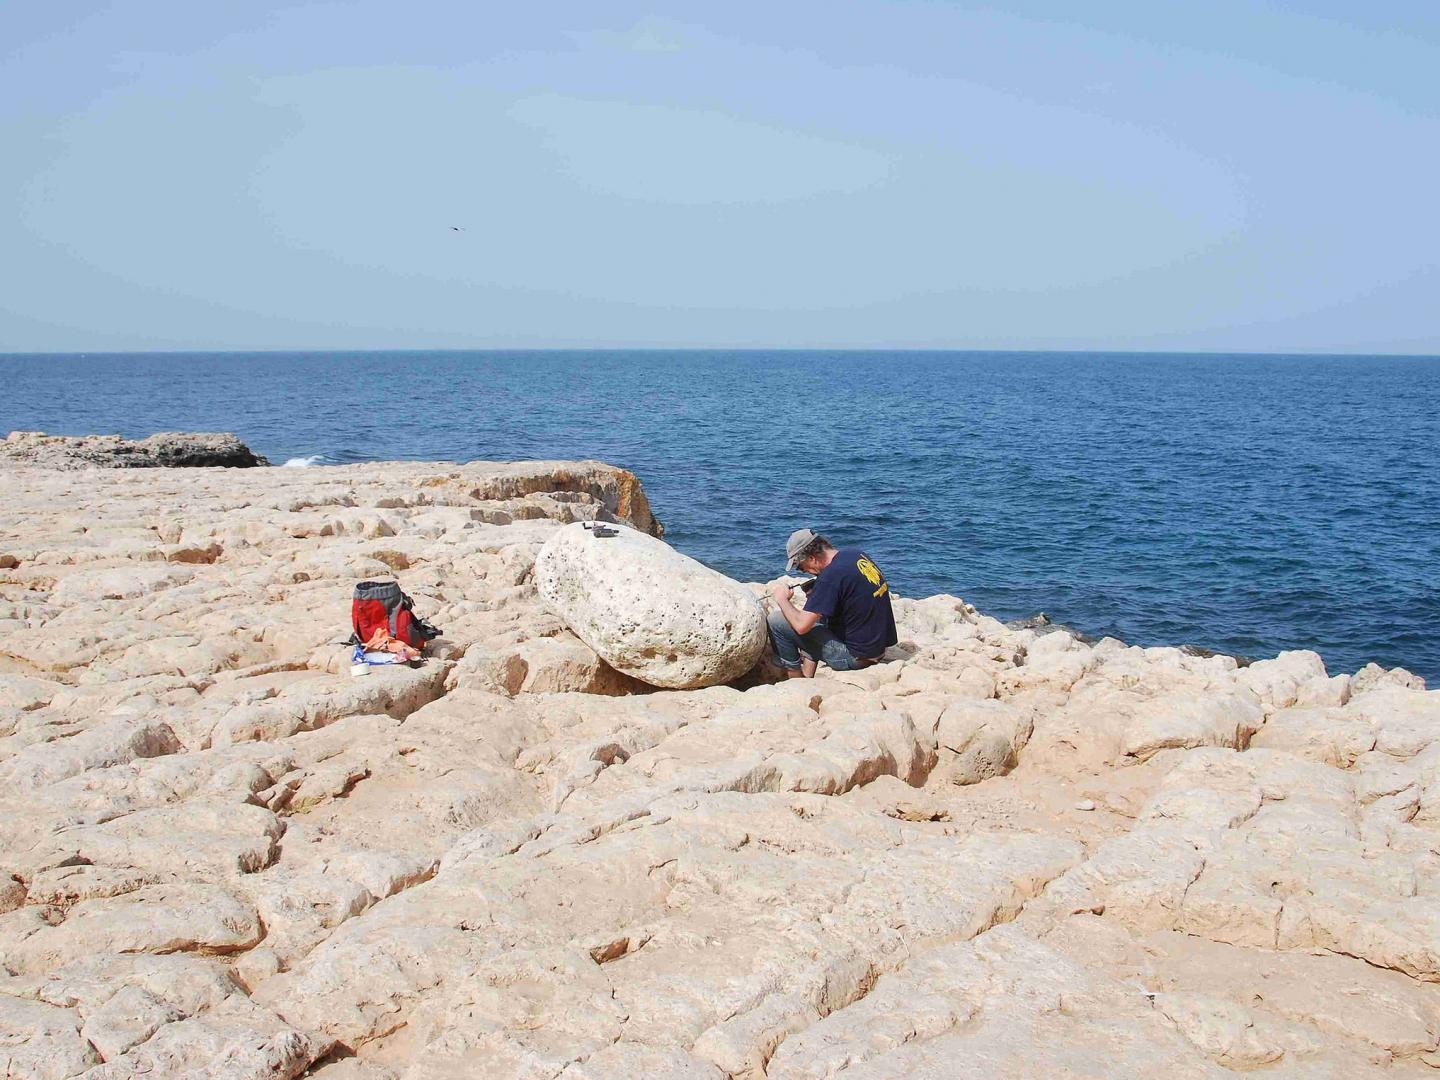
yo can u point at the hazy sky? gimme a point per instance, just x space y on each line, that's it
1156 174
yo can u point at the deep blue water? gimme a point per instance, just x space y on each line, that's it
1244 503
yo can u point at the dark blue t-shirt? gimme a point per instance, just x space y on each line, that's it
854 597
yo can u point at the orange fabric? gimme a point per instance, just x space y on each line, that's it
381 641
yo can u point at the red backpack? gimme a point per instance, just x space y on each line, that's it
381 605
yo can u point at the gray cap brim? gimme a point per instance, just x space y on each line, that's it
795 546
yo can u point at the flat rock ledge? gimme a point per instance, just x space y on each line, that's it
999 854
168 449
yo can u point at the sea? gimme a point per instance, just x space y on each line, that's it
1241 503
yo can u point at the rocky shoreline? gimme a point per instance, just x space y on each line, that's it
165 450
1002 853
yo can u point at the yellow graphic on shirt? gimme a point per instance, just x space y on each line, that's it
872 575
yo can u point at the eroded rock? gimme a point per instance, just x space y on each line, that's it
169 449
648 610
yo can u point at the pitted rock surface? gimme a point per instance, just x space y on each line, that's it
648 610
997 854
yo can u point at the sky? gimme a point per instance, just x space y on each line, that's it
1039 174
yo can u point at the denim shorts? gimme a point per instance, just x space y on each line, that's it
819 644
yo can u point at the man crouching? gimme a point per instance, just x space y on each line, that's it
847 621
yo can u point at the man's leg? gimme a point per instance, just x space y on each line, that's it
785 644
797 654
838 657
820 645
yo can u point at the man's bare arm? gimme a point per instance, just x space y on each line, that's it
801 621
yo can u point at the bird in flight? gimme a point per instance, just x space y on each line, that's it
456 228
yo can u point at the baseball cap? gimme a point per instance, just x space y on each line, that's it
798 542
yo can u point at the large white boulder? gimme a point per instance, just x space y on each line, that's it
648 610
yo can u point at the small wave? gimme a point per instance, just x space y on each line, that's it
304 462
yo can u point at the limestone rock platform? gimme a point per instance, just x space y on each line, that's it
1002 853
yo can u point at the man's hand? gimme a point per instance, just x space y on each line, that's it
801 621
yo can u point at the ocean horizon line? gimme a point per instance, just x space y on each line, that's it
720 349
